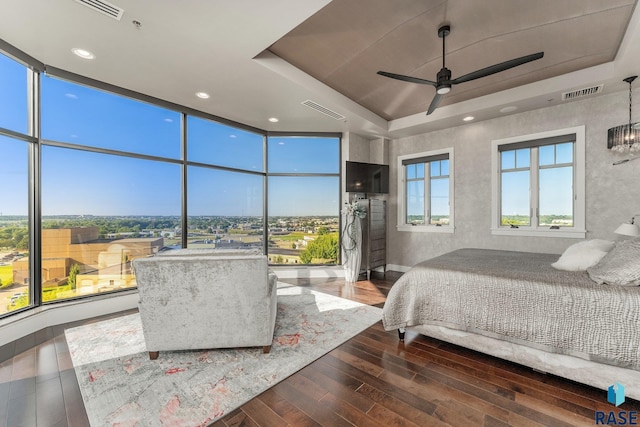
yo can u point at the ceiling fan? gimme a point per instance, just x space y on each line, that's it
444 82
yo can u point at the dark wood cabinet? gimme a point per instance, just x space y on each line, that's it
374 235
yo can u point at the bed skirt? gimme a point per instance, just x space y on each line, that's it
595 374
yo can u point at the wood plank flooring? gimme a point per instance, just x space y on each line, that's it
371 380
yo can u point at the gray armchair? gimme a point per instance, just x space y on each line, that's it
202 299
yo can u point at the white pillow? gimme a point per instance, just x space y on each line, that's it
582 255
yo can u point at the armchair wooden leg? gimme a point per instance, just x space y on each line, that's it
266 349
153 355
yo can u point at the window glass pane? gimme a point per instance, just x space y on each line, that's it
556 197
444 167
225 209
546 153
434 168
81 115
304 155
14 111
515 207
14 226
508 159
415 202
564 153
303 220
523 158
411 171
217 144
100 212
440 201
415 170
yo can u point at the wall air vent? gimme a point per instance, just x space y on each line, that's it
574 94
103 7
324 110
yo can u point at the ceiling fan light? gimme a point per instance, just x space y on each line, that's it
442 90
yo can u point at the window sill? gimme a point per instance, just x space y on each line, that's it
425 228
541 232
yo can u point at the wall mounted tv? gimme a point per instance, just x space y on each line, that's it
367 178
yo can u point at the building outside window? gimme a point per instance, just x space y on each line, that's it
426 191
538 184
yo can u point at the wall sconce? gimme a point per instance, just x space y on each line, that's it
625 138
629 228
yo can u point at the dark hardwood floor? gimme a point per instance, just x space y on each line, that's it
371 380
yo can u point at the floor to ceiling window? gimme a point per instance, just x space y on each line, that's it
105 201
14 226
225 186
304 199
95 176
15 289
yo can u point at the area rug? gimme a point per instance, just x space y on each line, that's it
120 386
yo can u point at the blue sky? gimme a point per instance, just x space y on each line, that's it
78 182
555 184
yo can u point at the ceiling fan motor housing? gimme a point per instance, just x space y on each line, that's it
444 79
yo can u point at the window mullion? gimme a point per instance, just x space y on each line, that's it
534 192
405 204
427 193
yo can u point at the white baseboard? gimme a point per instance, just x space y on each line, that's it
400 268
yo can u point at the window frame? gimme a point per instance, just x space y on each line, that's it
578 230
402 224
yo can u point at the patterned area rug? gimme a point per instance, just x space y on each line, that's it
121 386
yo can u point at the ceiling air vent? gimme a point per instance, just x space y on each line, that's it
324 110
103 7
574 94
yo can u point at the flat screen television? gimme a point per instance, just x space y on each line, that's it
367 178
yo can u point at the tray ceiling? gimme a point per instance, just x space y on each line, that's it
348 41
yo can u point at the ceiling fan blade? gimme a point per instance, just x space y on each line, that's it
434 103
407 78
497 68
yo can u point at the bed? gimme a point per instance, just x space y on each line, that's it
516 306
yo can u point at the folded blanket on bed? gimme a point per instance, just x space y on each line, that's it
519 297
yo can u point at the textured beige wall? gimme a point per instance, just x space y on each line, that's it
612 192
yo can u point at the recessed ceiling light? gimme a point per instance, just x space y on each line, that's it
203 95
274 119
83 53
468 118
508 109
